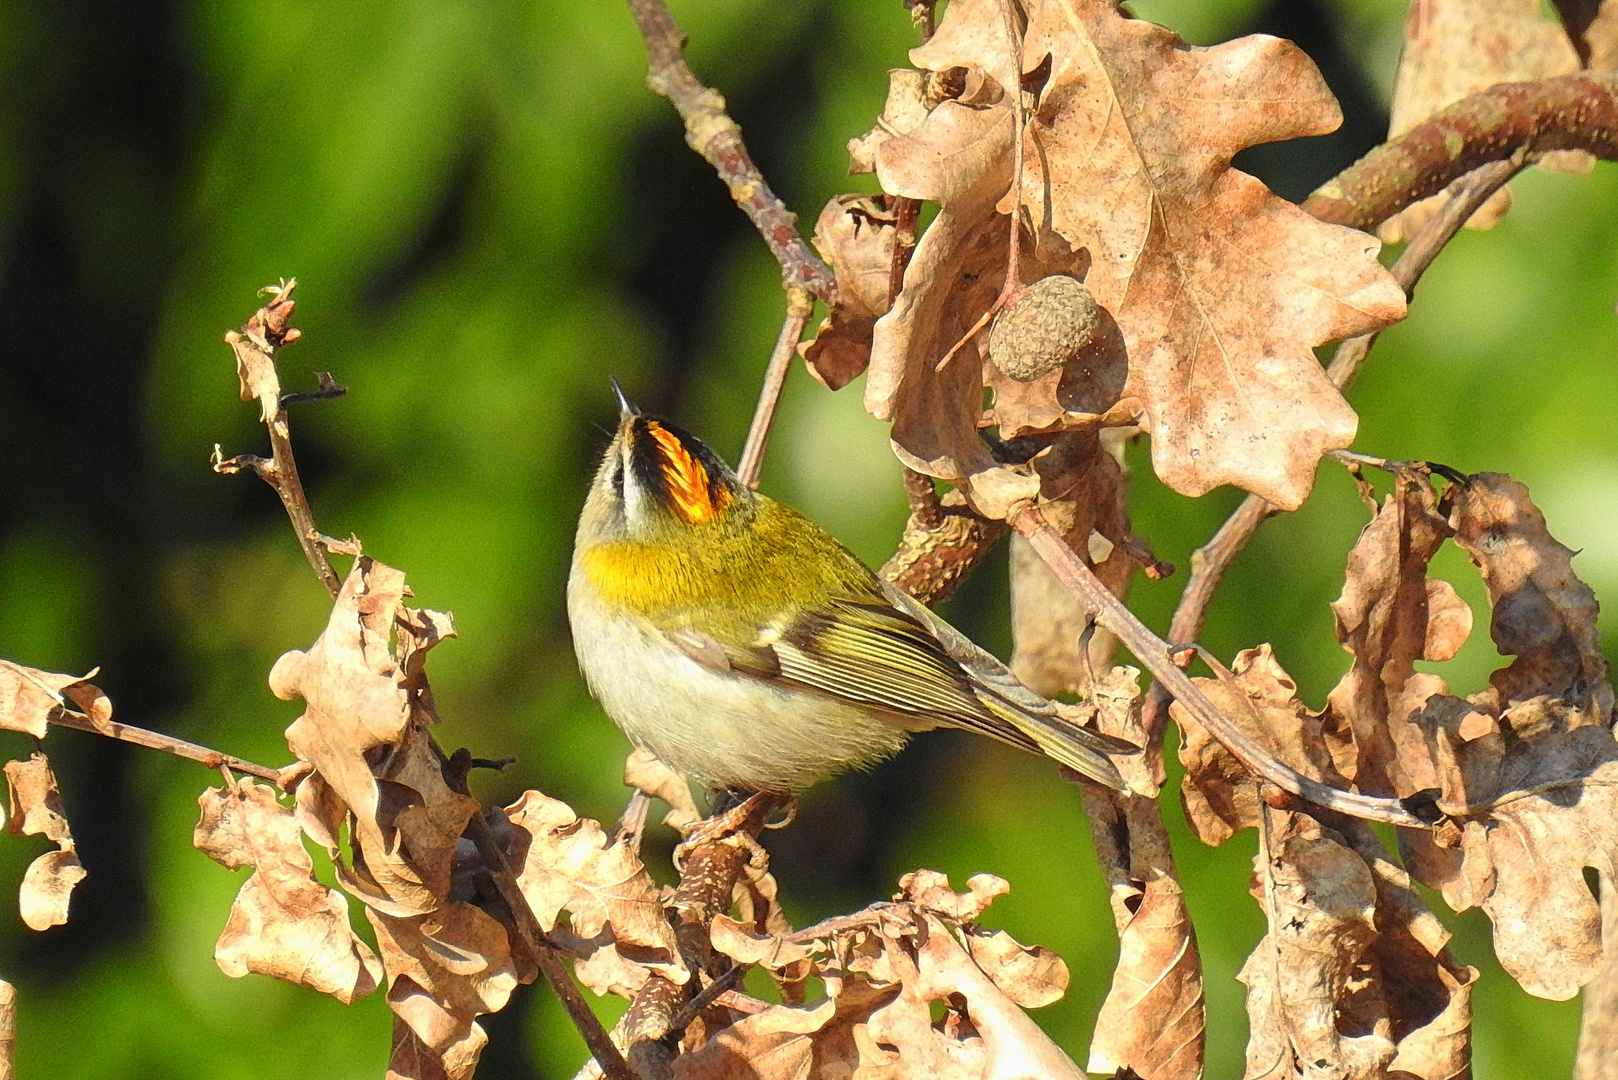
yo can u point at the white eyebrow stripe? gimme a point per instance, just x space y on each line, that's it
634 494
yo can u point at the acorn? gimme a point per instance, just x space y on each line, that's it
1045 324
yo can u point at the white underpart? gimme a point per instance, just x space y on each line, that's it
719 727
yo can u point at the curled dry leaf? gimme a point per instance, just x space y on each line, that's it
617 924
27 696
1031 976
1354 978
644 772
283 923
444 970
1391 614
36 810
1453 48
1543 614
1153 1022
855 234
930 891
1153 1019
364 731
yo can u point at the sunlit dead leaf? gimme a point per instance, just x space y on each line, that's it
284 923
361 697
444 969
1386 620
855 235
1221 288
36 810
570 865
1152 1020
8 1030
27 696
1319 899
645 773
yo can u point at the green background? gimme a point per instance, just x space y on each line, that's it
488 213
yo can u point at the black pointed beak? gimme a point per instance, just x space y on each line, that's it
626 408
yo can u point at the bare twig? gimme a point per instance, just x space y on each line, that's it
1112 615
800 305
711 132
600 1044
712 869
1211 561
154 740
1573 112
906 215
256 345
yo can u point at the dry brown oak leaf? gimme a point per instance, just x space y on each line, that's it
1353 979
1220 289
1535 814
28 696
444 969
365 732
617 928
36 810
283 922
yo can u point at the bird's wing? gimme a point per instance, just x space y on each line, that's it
863 650
894 656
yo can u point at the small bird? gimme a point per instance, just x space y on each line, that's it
744 646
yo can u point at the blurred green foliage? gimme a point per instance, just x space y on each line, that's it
488 214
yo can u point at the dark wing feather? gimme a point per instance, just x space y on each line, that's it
867 651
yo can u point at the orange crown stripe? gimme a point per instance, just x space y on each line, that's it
686 479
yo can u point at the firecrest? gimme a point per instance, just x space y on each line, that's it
741 644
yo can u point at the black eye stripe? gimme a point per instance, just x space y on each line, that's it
647 461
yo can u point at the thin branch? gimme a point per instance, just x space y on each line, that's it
255 346
1573 112
711 132
600 1044
1112 615
906 216
800 305
1211 561
707 882
154 740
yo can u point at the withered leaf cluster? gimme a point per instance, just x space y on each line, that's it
29 699
1213 290
884 971
1516 778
